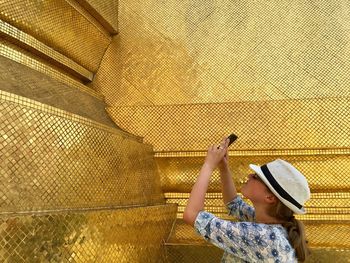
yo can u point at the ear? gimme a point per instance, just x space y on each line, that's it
270 198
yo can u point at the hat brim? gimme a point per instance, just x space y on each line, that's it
259 172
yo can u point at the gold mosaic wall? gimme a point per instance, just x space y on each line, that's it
52 160
15 53
325 173
273 72
182 74
74 190
28 42
105 12
292 124
122 235
173 52
62 25
30 83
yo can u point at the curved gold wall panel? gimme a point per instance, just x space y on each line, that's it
52 159
106 12
122 235
322 172
21 80
224 51
28 42
62 25
273 72
286 124
15 53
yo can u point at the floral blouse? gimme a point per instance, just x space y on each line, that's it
245 241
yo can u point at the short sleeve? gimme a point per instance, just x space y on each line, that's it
246 240
237 207
230 236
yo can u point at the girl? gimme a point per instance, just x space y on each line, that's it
266 233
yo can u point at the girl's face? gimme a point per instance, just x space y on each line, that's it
255 189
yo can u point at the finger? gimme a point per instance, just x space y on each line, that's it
220 147
223 140
222 144
227 141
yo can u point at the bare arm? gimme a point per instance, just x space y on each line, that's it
228 189
196 201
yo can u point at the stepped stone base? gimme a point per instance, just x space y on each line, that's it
21 80
183 253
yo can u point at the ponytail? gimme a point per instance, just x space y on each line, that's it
296 234
295 229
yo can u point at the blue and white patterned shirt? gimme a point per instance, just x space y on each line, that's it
245 241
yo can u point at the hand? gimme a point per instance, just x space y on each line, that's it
217 155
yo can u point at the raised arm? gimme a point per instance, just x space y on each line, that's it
228 189
196 201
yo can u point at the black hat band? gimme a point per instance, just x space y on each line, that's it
277 187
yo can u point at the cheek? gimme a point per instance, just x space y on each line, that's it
253 191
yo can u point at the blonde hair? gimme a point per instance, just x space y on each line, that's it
295 229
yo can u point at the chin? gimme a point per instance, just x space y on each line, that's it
243 191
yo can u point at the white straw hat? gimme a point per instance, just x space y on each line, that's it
286 182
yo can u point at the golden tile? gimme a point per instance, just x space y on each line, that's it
105 12
26 58
22 39
218 120
178 174
83 41
109 235
337 232
221 36
184 75
55 160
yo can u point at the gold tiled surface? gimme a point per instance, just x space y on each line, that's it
15 53
184 245
179 253
321 234
21 80
325 255
225 51
322 207
258 152
105 12
122 235
285 124
51 159
13 98
193 253
60 25
274 73
137 71
324 173
28 42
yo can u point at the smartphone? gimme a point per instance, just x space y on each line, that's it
232 138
